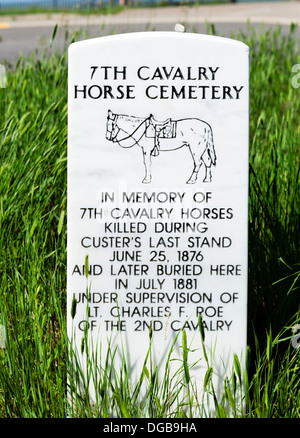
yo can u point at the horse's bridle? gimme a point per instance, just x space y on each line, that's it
113 120
114 126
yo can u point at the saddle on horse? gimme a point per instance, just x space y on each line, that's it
157 130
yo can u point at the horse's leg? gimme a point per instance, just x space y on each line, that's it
208 175
197 162
147 163
200 156
207 163
194 175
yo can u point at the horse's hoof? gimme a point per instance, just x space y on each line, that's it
191 181
146 181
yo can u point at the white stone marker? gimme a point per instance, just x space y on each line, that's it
158 194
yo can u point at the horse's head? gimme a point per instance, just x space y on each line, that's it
111 126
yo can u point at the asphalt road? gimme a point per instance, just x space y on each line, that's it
32 33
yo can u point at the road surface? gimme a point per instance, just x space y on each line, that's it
24 34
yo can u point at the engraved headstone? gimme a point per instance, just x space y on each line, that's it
158 194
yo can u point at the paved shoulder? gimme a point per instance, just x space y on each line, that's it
265 12
25 34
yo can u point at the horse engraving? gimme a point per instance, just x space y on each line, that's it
153 137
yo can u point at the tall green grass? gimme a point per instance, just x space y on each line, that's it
35 365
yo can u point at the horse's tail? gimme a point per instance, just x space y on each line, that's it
210 147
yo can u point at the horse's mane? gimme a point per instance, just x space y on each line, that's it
131 119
